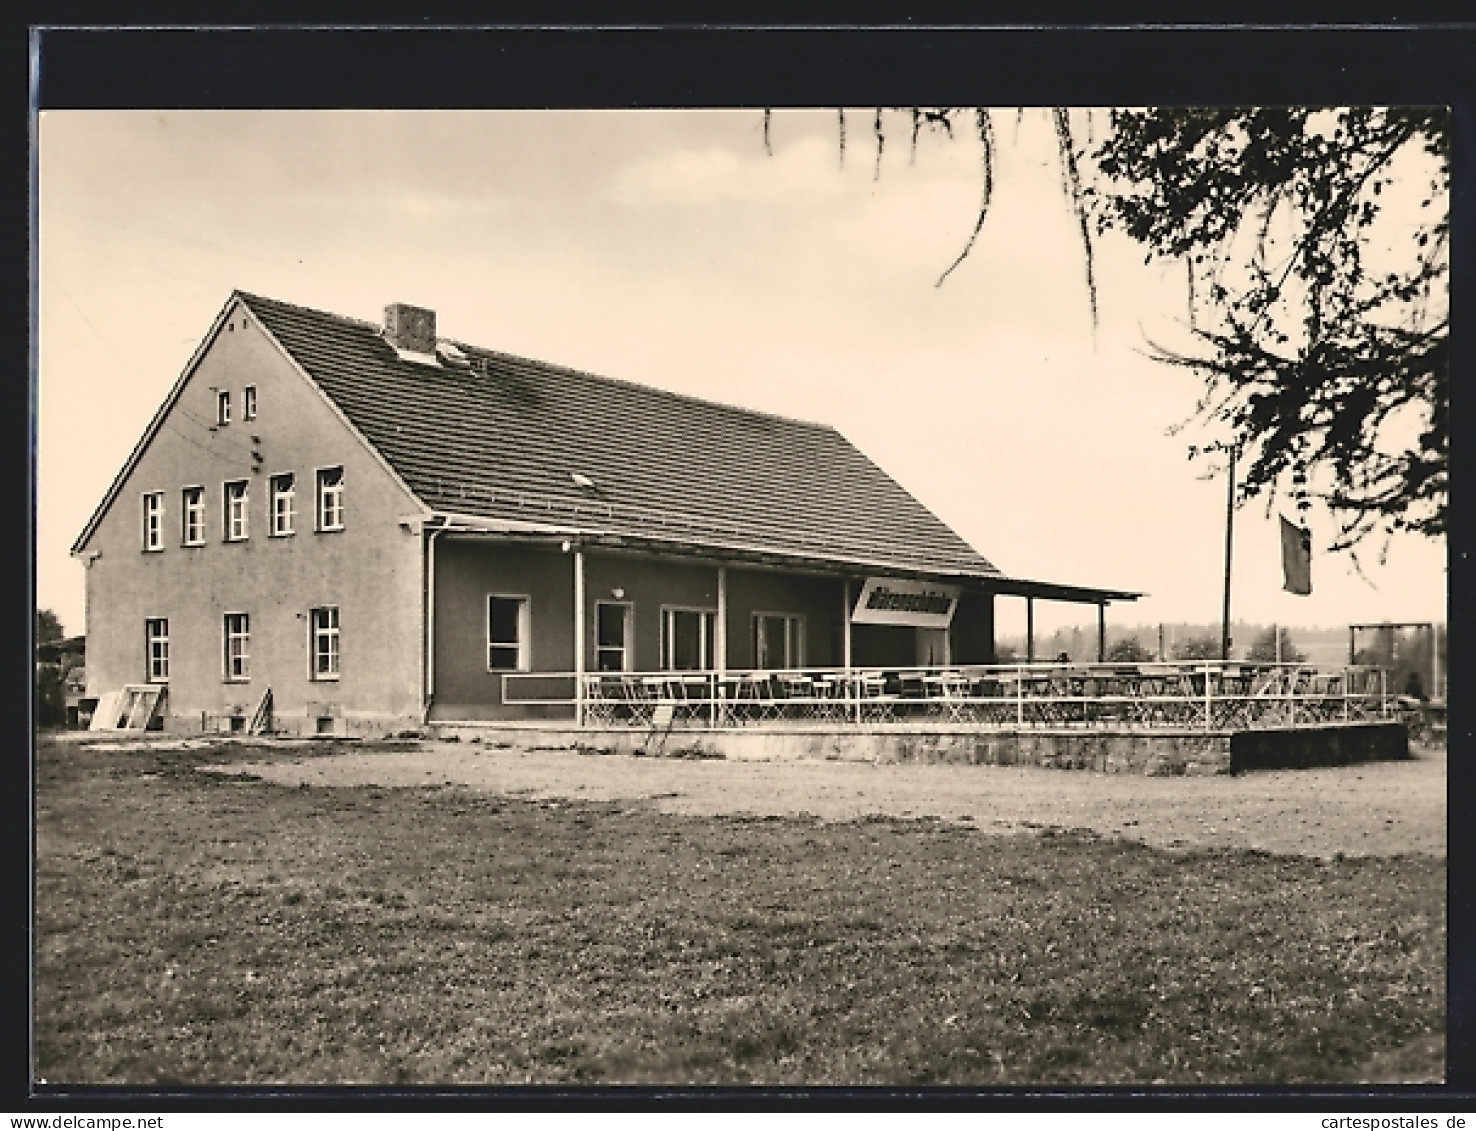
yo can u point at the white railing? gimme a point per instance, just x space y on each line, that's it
1183 694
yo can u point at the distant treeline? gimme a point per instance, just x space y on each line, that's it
1406 652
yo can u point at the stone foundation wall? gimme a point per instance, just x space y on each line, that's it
1154 753
329 723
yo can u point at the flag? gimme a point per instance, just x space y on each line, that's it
1296 558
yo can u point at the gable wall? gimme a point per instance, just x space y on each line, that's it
371 569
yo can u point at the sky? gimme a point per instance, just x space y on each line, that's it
671 248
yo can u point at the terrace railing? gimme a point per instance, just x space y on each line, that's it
1197 694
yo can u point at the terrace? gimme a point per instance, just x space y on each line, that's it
1210 696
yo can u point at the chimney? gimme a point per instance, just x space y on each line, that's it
410 328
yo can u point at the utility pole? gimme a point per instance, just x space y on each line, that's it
1229 542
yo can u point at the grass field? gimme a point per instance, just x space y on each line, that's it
199 928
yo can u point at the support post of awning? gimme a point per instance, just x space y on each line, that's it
1030 630
719 643
846 645
846 624
720 629
579 635
1101 631
1435 661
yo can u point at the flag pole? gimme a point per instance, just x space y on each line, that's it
1229 542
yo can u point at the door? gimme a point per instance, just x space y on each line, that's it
932 647
686 639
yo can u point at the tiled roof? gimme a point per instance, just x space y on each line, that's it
504 439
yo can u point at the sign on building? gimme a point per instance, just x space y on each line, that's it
888 600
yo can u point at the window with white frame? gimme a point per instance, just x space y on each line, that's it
236 510
687 639
222 406
325 642
507 634
248 403
156 648
778 640
194 516
237 646
284 504
330 498
153 520
612 631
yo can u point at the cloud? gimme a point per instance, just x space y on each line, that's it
413 203
799 175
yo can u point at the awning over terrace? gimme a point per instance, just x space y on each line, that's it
719 550
575 540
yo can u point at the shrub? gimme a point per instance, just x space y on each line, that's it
1129 650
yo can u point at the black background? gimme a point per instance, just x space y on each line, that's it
79 58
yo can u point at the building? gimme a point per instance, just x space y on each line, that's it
376 524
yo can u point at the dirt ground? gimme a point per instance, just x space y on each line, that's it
1376 809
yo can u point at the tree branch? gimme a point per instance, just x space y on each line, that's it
986 143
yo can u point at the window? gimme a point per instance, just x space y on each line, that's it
153 519
284 504
235 511
612 629
222 407
778 640
194 516
237 646
686 639
507 634
330 498
156 636
325 643
248 403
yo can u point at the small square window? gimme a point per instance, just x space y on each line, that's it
153 521
248 403
330 498
194 516
223 407
236 511
284 504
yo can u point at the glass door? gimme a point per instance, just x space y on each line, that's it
686 639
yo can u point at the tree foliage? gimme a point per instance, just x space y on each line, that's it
1197 648
48 627
51 703
1129 650
1316 246
1263 648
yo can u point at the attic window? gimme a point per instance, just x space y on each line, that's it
248 403
223 407
581 480
452 356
